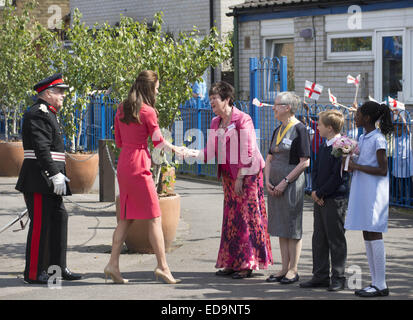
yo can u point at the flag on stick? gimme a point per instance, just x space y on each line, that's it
356 81
334 102
258 103
396 105
351 79
312 90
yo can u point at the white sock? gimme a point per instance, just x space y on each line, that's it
379 256
370 259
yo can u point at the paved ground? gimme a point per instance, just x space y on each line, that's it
192 260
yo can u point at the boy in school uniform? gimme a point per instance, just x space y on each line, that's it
330 193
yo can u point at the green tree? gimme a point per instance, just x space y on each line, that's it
23 60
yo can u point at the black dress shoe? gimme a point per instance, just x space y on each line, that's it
69 275
43 278
289 281
337 285
274 278
225 272
315 284
239 275
376 293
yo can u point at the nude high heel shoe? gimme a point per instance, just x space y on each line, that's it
115 278
165 277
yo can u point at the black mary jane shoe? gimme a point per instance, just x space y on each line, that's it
69 275
239 275
224 272
274 278
289 281
376 293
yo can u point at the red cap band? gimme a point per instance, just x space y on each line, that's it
57 81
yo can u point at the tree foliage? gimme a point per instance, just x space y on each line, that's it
23 46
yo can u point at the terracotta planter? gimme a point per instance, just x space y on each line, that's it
82 170
11 158
137 239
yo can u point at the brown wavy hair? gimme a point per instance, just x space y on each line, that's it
142 91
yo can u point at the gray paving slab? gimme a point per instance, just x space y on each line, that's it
192 259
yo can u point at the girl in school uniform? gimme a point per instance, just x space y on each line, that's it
368 206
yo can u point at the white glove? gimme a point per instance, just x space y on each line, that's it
59 183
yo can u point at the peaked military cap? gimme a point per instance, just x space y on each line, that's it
54 81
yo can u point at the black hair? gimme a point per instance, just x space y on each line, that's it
377 112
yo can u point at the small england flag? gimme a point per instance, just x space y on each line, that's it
394 104
312 90
351 79
332 98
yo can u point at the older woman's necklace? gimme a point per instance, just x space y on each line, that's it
224 124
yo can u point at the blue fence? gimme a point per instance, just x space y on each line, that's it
267 78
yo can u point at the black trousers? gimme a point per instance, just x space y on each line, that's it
329 239
47 236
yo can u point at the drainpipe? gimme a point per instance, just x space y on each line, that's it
211 25
236 57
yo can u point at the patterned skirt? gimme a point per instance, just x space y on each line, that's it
245 242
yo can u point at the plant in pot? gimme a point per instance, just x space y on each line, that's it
22 64
82 67
179 63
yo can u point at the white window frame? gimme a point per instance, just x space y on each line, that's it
350 55
271 41
407 60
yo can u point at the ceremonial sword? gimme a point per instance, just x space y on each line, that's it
18 218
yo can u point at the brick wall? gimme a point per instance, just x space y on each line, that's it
330 74
249 47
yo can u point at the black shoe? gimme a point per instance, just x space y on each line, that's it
69 275
43 278
274 278
360 290
289 281
225 272
376 293
337 285
238 275
315 284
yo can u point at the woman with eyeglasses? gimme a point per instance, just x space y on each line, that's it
287 159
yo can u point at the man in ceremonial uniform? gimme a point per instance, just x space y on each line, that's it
43 182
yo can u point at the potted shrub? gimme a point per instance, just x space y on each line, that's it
81 65
22 48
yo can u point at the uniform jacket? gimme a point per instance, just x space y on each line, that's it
42 133
240 150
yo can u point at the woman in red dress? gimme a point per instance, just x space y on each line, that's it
136 120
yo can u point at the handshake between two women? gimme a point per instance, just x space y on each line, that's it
185 153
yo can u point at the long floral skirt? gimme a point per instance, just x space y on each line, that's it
245 242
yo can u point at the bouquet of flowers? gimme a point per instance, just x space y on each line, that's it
345 147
